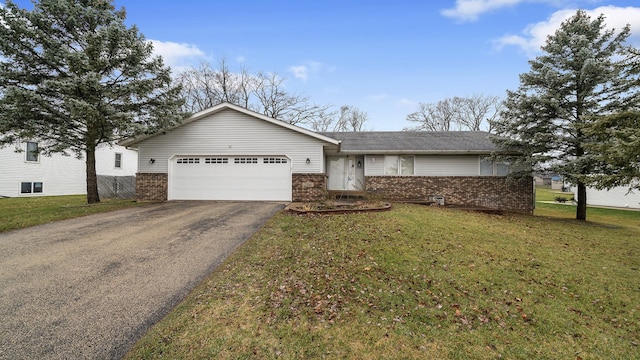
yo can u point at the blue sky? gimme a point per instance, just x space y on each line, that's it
383 57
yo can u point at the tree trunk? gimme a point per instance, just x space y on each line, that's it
92 180
581 210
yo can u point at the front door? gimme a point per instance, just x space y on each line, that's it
345 173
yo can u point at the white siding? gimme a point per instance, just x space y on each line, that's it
616 197
105 161
374 165
447 165
231 133
60 175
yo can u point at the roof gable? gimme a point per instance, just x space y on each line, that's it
227 106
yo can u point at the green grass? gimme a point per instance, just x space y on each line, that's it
546 194
567 211
417 282
18 213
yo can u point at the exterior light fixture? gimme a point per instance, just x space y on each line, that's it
359 163
308 161
152 160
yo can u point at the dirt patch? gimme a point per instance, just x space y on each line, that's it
344 207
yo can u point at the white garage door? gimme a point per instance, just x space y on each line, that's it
266 178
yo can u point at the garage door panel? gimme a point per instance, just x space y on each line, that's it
246 178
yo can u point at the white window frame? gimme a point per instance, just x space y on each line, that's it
32 187
388 160
118 161
496 167
35 153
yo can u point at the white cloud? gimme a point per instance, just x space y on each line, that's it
535 35
178 55
303 71
469 10
300 72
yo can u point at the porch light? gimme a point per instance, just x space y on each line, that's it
308 161
152 160
359 163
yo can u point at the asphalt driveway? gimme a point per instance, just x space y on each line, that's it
88 288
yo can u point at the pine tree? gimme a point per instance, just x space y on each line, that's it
74 76
578 78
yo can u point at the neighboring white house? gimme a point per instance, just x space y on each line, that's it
616 197
230 153
29 173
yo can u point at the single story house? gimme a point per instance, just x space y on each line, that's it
230 153
29 173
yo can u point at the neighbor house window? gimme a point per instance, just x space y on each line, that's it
32 151
37 187
29 187
398 165
118 162
25 188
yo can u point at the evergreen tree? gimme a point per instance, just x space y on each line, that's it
618 147
73 76
578 78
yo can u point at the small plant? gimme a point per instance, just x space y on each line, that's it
561 199
307 207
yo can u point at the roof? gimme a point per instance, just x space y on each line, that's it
225 106
414 142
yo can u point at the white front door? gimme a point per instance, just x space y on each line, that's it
344 173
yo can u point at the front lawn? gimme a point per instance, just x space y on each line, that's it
18 213
417 282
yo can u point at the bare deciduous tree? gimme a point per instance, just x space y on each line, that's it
478 109
324 122
205 86
435 116
275 102
457 113
351 119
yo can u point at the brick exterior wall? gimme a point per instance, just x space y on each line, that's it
493 192
309 187
151 187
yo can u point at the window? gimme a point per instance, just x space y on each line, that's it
398 165
25 188
486 167
28 187
245 160
118 163
274 160
32 151
37 187
188 161
502 169
216 160
491 168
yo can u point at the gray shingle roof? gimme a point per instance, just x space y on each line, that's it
415 142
